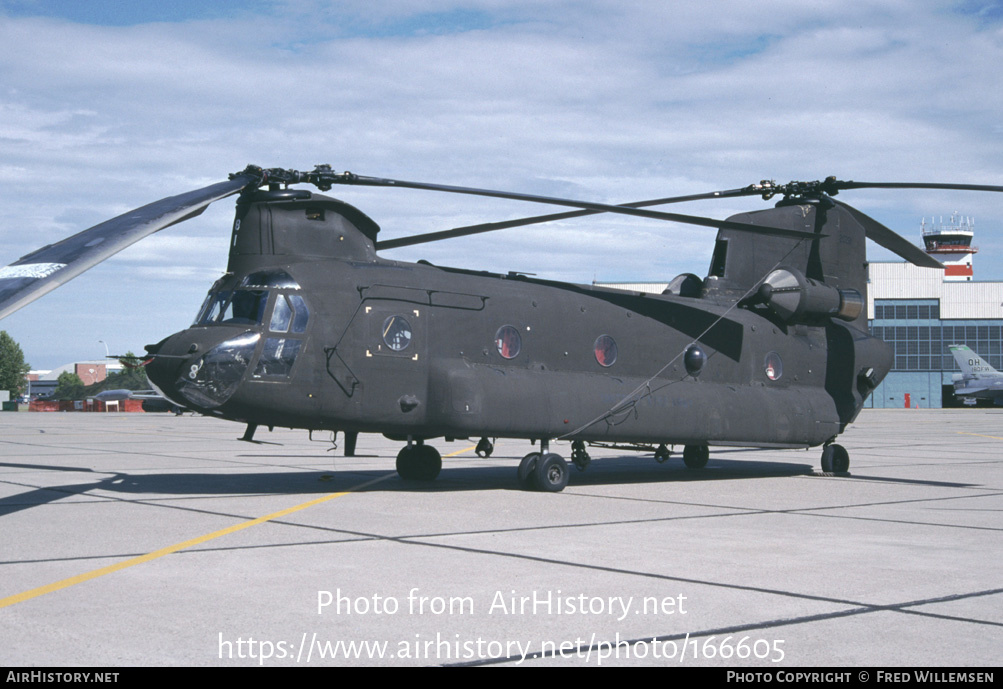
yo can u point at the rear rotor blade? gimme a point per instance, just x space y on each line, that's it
892 241
42 271
325 177
918 185
537 219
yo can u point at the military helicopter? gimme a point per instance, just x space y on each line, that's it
311 328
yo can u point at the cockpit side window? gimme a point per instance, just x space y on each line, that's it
203 312
301 311
281 315
212 307
277 357
289 309
289 315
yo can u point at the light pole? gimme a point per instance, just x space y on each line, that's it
106 354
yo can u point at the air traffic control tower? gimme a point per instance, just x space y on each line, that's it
951 244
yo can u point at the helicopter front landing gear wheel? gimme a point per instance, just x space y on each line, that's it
662 454
419 463
696 456
551 473
835 459
527 471
484 448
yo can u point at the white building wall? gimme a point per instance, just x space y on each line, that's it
958 300
972 300
902 281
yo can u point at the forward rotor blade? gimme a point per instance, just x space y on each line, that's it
892 241
537 219
42 271
351 178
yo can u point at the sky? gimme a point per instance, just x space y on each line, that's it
106 106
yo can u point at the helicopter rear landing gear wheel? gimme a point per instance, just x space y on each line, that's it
835 459
696 456
579 456
527 471
551 473
662 454
484 448
419 463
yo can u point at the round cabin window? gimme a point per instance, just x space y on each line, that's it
508 341
605 350
774 366
396 333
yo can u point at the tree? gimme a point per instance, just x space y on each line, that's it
13 368
132 377
69 386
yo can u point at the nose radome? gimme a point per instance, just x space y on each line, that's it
202 367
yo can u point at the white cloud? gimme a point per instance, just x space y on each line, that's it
599 100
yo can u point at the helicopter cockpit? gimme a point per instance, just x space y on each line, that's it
267 302
245 304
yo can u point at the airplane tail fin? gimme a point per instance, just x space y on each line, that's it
972 365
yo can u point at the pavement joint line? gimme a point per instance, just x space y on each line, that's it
736 629
796 595
94 574
102 571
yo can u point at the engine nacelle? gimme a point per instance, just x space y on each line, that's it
799 299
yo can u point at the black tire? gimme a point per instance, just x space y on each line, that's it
835 459
527 471
419 463
696 456
406 463
429 463
551 473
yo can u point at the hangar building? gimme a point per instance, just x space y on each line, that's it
921 311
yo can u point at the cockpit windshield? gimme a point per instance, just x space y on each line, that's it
239 307
246 304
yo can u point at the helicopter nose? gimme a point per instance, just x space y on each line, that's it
202 367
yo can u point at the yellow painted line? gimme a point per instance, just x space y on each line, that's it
994 437
94 574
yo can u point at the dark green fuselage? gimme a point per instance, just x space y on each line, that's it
418 350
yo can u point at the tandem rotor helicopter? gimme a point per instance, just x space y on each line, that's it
311 328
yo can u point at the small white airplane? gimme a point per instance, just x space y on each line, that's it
978 380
